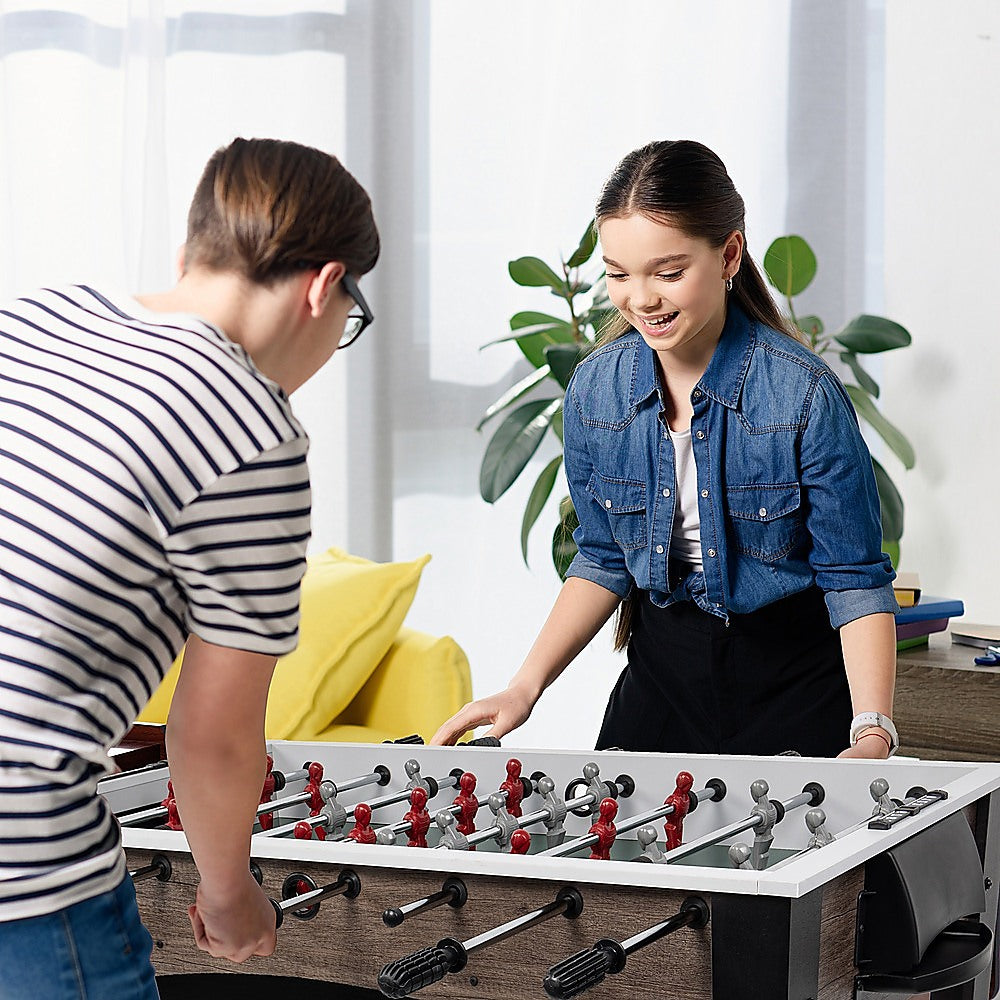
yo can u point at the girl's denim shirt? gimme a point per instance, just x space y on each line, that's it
786 489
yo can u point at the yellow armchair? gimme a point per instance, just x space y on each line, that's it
358 674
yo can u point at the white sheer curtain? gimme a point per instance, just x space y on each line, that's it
483 132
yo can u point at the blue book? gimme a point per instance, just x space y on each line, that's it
930 608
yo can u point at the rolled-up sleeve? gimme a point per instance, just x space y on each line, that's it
842 509
599 558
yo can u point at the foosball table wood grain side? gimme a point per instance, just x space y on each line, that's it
347 941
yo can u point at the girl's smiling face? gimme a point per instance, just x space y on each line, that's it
670 286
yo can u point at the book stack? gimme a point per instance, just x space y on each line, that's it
917 621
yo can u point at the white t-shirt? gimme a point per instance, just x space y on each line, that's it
685 538
153 483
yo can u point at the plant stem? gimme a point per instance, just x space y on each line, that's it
569 296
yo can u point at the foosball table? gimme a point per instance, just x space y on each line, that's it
486 872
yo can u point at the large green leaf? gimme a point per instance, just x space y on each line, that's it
811 326
535 331
790 264
513 444
889 433
563 547
864 379
557 424
539 495
514 393
872 334
535 273
585 250
891 503
562 359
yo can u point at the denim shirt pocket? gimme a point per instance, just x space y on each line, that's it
765 521
624 501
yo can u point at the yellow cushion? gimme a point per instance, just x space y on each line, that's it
422 681
351 611
338 733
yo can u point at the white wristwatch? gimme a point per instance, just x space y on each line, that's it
873 720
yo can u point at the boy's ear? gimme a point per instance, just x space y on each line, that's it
322 285
179 261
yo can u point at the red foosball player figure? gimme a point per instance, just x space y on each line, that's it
513 787
266 820
419 818
520 841
468 805
680 799
170 804
315 800
605 831
362 832
304 831
173 816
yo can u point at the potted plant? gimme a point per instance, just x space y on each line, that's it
554 344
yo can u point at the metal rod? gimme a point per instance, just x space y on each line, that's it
559 905
453 892
684 918
337 888
450 781
631 823
159 867
717 836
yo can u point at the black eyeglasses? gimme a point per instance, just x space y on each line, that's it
355 324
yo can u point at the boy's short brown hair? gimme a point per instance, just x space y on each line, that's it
267 208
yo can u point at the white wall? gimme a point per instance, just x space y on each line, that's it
942 220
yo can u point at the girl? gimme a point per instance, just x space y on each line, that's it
724 494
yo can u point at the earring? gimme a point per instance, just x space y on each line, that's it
729 284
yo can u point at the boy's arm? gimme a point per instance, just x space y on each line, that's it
215 743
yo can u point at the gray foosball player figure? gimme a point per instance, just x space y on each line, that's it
506 823
599 789
739 856
555 807
821 836
879 790
764 830
412 768
386 835
333 813
651 853
451 839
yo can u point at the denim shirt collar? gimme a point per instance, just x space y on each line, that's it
726 372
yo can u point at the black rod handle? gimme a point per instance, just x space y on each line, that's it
453 892
421 968
579 973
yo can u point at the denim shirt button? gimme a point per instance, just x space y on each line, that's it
607 503
711 553
704 493
666 493
700 435
762 512
697 394
659 550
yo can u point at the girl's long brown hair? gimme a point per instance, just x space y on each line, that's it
684 184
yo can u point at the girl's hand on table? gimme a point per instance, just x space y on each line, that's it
870 746
504 711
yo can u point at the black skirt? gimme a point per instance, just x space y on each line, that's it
769 682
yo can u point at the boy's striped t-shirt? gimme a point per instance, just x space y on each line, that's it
153 483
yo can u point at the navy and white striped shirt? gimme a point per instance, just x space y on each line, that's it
153 483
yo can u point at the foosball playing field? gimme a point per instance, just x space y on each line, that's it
490 872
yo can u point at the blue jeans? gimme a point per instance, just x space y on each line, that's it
94 950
